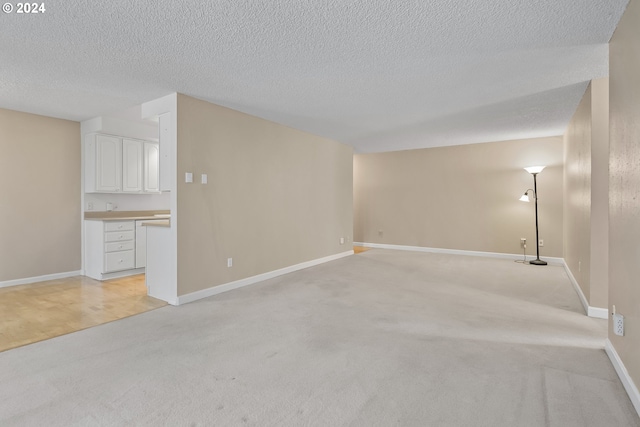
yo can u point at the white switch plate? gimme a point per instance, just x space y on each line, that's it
229 262
342 240
203 178
188 177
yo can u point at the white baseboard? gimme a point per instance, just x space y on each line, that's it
35 279
550 260
622 372
214 290
597 312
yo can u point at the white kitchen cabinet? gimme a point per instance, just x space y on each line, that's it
132 166
151 167
110 249
108 163
121 165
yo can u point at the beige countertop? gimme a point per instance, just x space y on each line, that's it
157 223
126 215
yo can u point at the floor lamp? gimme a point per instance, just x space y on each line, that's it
534 170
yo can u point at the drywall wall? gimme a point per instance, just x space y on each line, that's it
461 197
599 266
577 200
275 196
39 196
624 185
128 202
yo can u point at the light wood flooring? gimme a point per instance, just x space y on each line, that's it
43 310
359 249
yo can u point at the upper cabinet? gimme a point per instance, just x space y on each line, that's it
121 165
151 167
132 164
107 162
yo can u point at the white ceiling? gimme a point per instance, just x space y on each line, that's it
376 74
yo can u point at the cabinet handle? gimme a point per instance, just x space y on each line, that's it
121 236
120 261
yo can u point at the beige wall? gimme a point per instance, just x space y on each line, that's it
599 268
586 183
39 195
461 197
624 185
577 187
276 196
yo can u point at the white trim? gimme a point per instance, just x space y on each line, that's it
597 312
214 290
622 372
35 279
550 260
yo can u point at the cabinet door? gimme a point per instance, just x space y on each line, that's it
131 166
151 167
108 163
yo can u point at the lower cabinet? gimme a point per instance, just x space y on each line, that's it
110 249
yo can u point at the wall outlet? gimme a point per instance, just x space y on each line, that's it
523 242
618 324
342 240
541 242
229 262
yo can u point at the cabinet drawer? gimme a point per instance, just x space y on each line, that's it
116 236
119 225
118 246
115 261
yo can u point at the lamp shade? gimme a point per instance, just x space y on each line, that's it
524 198
534 169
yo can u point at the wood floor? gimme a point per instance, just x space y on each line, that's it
359 249
43 310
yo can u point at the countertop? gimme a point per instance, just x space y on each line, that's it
128 216
157 223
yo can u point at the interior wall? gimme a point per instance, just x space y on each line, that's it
275 196
624 185
461 197
128 202
599 265
577 201
39 195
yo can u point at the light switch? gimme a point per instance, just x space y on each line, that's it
204 178
188 177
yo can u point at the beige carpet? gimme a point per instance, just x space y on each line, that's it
384 338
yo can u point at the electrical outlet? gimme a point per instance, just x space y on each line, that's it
523 242
229 262
342 240
618 324
541 242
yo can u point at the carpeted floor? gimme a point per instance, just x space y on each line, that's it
384 338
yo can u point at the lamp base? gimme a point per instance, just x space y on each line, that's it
538 262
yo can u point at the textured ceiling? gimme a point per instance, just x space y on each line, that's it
376 74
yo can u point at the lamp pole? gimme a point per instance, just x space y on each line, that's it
536 261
